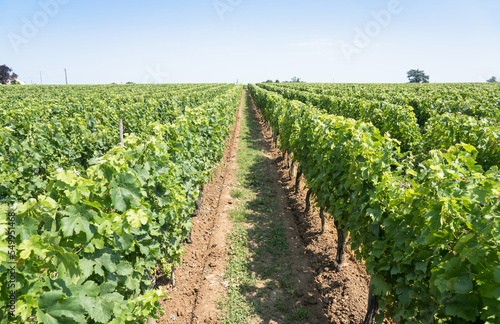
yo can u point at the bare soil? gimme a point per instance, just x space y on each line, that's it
328 295
199 281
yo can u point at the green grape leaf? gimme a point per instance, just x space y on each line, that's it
100 308
125 191
77 221
64 309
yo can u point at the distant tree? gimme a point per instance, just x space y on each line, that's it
296 80
268 81
130 82
6 74
277 81
492 79
417 76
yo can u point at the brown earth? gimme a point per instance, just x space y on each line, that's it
328 295
199 279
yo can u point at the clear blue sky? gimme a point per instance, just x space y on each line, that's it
250 40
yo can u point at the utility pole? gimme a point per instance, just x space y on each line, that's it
66 74
41 82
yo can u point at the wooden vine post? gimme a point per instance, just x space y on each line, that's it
372 306
121 132
340 245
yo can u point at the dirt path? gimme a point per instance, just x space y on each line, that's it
292 281
199 280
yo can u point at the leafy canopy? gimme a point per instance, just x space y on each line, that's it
6 74
417 76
